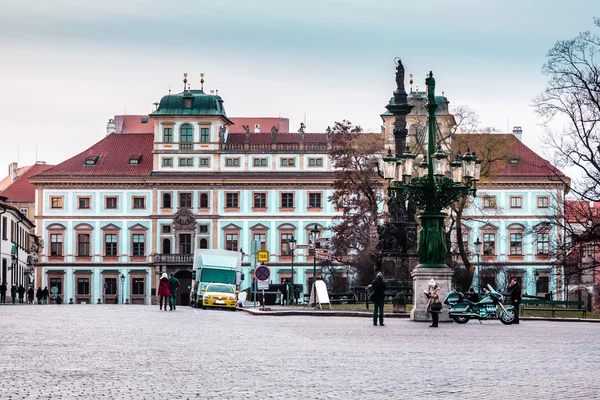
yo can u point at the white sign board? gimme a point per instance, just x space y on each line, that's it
262 285
318 294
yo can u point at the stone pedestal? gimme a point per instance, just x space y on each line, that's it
421 277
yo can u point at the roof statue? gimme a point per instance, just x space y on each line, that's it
274 132
430 82
400 76
246 129
222 130
302 127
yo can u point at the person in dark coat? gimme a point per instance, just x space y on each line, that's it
39 294
45 295
13 293
472 296
21 291
173 285
3 290
515 297
378 298
164 290
30 295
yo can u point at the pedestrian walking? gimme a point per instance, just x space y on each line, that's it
164 290
39 294
21 292
378 298
13 293
45 295
434 305
515 297
30 295
3 290
173 285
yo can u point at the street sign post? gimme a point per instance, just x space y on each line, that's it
262 274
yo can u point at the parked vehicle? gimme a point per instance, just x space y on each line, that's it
489 307
215 266
219 295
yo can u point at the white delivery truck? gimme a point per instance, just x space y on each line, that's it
215 266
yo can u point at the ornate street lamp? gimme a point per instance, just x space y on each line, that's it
478 253
292 244
437 185
122 289
314 236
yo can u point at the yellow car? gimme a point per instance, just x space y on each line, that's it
219 295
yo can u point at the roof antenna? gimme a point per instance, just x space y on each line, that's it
202 81
184 80
217 90
36 152
169 89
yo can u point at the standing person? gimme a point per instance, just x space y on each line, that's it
3 290
173 285
39 294
163 290
284 293
434 295
13 293
378 298
30 295
515 297
21 292
45 295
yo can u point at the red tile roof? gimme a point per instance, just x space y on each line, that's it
114 150
134 124
4 183
266 123
20 190
511 158
581 211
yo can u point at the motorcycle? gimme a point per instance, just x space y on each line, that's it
489 307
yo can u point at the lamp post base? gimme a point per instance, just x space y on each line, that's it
421 277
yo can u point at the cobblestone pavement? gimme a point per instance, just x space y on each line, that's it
139 352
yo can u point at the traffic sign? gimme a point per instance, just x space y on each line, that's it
262 273
262 285
263 256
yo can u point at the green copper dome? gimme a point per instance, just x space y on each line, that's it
191 102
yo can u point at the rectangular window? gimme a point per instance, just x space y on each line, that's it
231 242
314 200
204 136
186 162
205 162
166 228
57 283
286 250
232 162
232 200
260 200
262 239
489 202
56 202
56 244
138 285
489 244
516 244
203 200
168 135
83 285
4 228
110 203
587 250
110 245
543 202
288 162
287 200
139 203
110 286
203 228
185 243
259 162
83 245
543 243
84 203
516 202
315 162
139 245
542 285
185 200
167 162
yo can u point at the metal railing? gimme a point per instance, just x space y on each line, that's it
173 258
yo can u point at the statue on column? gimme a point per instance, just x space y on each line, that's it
400 77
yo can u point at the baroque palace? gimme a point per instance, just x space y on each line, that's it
157 187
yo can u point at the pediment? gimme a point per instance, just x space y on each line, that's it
260 227
56 227
138 227
286 226
516 226
110 227
489 227
232 227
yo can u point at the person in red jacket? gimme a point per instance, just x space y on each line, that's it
164 291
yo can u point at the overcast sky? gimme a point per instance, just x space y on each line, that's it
67 66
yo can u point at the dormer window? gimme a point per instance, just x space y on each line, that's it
513 160
187 103
144 120
91 160
135 160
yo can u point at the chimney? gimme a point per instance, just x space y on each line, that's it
256 128
13 170
41 162
110 126
518 132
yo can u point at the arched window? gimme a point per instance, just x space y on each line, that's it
187 133
166 246
166 200
203 244
203 200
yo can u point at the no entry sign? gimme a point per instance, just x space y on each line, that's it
262 273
